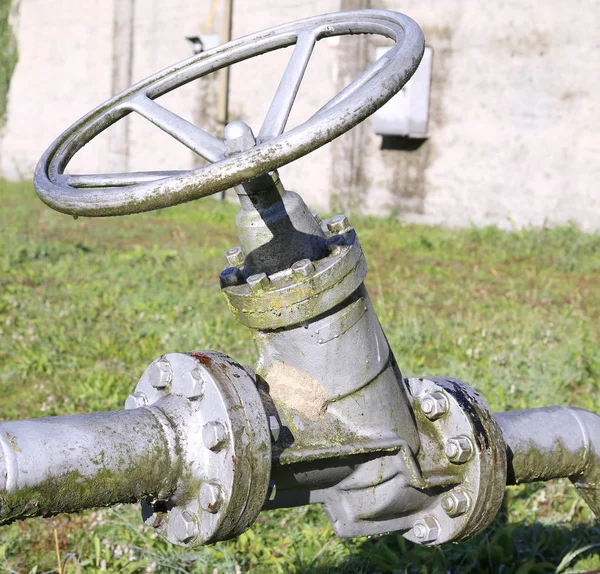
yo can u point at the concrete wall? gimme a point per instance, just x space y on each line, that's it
514 110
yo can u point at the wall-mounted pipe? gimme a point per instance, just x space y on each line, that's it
554 442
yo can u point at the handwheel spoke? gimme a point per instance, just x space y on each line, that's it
199 141
280 107
82 181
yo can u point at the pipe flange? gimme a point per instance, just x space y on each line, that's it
301 292
223 446
462 453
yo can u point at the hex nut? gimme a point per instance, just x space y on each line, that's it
258 282
136 400
434 405
230 276
235 257
193 387
338 224
210 497
182 525
274 427
214 435
303 268
455 503
160 373
238 137
459 449
426 529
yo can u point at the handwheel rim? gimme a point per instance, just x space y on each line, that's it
383 80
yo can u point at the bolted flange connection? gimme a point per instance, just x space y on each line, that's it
426 529
223 447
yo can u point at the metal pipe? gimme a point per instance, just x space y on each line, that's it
70 463
554 442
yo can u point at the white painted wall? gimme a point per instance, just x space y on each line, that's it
514 111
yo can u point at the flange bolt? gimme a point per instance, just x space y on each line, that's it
426 529
434 405
210 497
455 503
214 434
459 449
338 224
235 256
182 525
258 282
230 276
136 400
160 373
193 387
303 268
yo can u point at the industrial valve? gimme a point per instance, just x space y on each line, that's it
325 416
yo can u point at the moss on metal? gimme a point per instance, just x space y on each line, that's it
8 54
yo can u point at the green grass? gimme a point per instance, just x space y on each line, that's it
86 305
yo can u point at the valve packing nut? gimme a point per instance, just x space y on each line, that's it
160 373
303 268
459 449
230 276
182 525
210 497
258 282
434 405
136 400
426 529
455 503
338 224
235 256
214 435
193 387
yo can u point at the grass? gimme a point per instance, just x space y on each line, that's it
86 305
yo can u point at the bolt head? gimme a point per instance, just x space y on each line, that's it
136 400
274 427
238 137
303 268
459 449
193 385
258 282
235 256
455 503
230 276
182 525
338 224
160 373
426 529
434 405
214 435
210 497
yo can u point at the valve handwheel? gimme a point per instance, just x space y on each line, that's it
121 194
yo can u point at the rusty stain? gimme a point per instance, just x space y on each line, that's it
234 459
202 359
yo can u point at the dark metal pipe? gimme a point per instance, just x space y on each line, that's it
554 442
